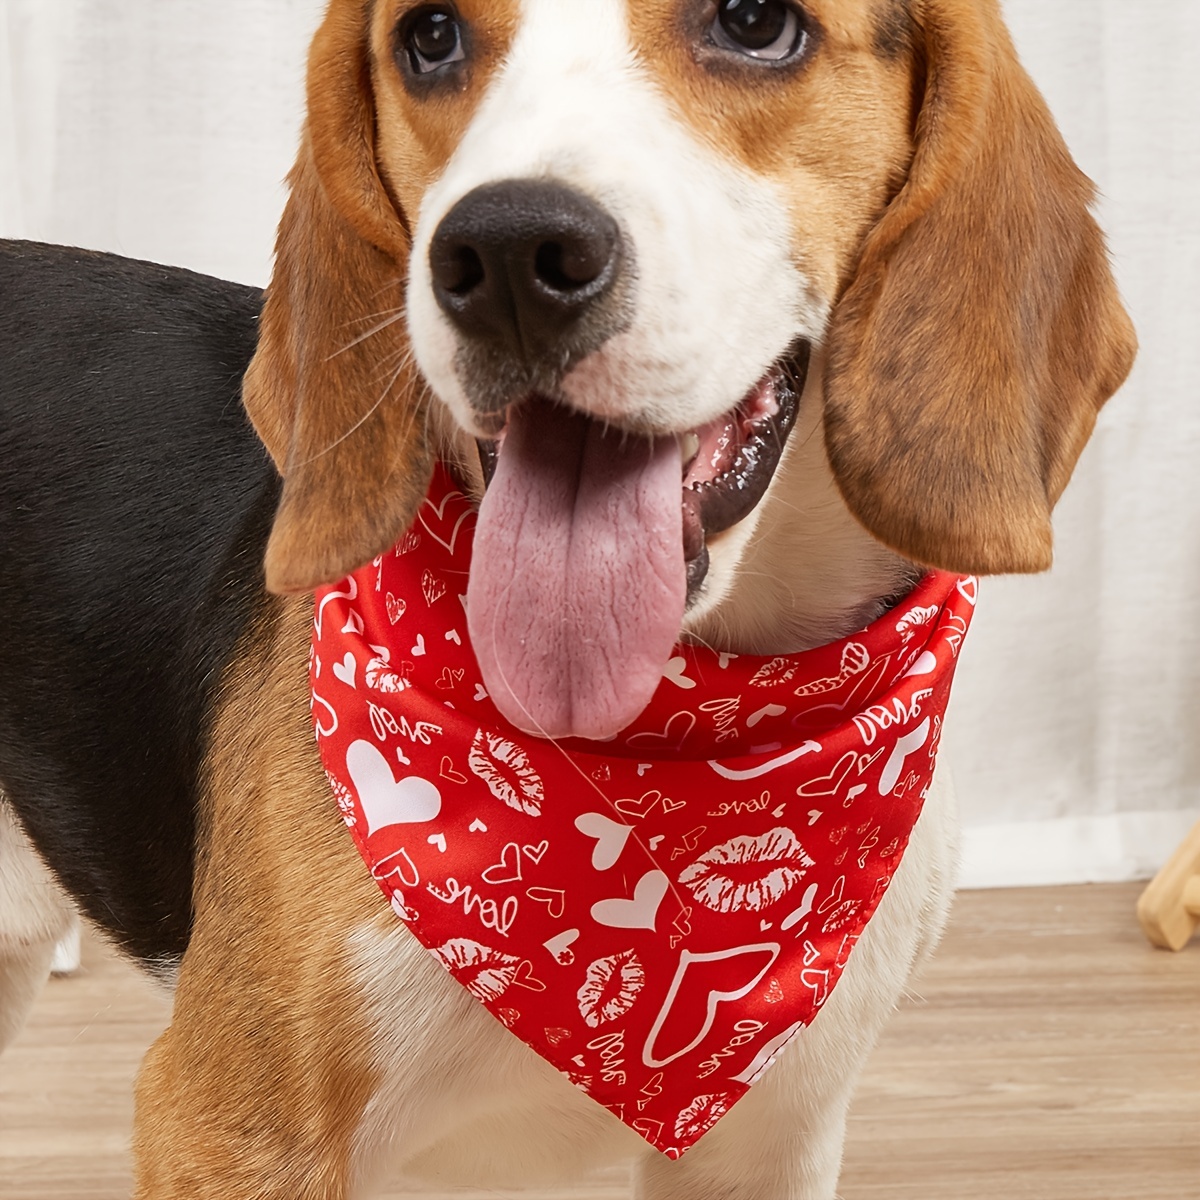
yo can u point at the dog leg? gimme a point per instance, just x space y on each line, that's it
259 1083
33 916
784 1139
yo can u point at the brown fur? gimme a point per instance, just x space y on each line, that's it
332 390
258 1084
982 330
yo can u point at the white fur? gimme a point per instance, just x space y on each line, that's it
717 298
34 915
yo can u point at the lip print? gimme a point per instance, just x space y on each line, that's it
611 988
912 620
507 771
381 676
747 872
778 670
856 658
486 973
700 1116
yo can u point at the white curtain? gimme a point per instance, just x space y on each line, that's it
162 129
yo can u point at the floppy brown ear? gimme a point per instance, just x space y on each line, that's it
982 330
331 390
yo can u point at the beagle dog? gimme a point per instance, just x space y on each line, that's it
507 216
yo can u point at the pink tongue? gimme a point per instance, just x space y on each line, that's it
578 585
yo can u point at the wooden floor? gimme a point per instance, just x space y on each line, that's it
1050 1055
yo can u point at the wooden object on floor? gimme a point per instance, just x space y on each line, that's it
1048 1053
1169 908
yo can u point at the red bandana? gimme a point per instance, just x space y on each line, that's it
656 915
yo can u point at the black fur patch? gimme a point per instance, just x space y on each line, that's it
135 503
893 30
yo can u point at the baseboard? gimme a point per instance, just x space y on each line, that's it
1107 849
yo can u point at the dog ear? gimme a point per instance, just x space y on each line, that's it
332 390
982 330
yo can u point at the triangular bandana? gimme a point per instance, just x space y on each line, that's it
656 915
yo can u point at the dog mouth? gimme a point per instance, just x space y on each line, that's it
728 464
593 540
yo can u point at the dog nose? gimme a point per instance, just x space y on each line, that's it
521 262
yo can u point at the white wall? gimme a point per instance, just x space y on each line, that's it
162 129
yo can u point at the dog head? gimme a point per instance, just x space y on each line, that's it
613 234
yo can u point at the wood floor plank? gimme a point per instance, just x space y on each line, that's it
1048 1053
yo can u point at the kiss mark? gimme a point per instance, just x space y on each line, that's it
748 872
610 988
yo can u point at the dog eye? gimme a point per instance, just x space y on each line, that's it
432 38
768 30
